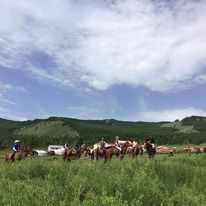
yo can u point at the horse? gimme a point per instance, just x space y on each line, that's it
85 150
149 149
69 154
95 153
190 150
109 152
20 155
124 149
137 149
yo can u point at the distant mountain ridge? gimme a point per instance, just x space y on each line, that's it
61 129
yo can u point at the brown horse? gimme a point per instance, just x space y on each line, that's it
85 150
95 154
124 149
149 149
109 152
190 150
137 149
21 155
69 154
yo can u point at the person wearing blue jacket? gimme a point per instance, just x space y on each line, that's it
15 148
77 148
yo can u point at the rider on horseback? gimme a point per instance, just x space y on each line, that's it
15 148
67 146
134 143
102 144
151 140
77 149
116 143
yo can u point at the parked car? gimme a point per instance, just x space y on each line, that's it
57 149
38 152
51 153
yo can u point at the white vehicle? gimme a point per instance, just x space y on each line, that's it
39 152
57 149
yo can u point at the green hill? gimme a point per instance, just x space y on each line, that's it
199 123
48 128
58 130
193 124
181 127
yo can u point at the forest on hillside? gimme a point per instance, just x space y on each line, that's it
55 130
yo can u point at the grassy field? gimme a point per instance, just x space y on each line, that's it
178 180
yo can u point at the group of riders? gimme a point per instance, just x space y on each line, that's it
150 140
103 145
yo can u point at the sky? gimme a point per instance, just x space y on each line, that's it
134 60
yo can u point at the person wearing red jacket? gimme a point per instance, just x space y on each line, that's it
116 141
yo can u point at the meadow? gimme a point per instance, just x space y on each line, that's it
178 180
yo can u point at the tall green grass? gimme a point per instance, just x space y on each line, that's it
178 180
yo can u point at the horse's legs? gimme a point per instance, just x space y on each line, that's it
106 157
121 157
110 158
92 156
141 152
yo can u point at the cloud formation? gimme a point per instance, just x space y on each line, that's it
6 103
5 87
169 114
159 45
8 114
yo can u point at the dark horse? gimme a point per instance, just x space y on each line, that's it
21 155
149 149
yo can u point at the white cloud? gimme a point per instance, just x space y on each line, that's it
6 101
169 115
6 113
155 44
45 75
5 87
5 104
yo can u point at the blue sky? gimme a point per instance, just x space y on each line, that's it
129 60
